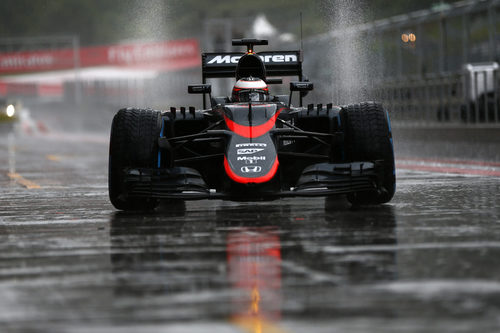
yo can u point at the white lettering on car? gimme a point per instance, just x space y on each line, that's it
248 151
228 59
251 158
220 59
278 58
234 60
252 144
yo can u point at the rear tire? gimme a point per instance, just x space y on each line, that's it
368 137
133 144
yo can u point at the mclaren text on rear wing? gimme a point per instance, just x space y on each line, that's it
277 63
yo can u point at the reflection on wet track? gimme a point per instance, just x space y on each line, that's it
252 267
426 262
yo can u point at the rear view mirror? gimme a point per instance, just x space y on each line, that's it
274 81
199 89
304 87
301 86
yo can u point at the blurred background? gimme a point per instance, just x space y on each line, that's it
428 61
426 262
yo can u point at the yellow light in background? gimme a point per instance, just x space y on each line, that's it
412 38
405 38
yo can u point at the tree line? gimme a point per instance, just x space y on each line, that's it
108 21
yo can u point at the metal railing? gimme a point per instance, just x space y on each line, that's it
450 98
460 97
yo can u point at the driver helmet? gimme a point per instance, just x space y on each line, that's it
250 89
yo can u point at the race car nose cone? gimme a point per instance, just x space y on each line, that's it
251 161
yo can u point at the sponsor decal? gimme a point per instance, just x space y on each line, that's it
302 85
225 59
252 144
255 177
28 61
251 158
276 58
249 151
174 54
279 58
251 169
143 53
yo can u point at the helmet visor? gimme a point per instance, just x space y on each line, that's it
252 95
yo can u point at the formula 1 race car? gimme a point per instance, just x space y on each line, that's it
252 145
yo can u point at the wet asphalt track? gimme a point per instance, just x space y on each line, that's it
427 262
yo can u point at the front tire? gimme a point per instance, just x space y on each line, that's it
133 144
368 137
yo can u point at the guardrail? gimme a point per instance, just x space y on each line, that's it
464 97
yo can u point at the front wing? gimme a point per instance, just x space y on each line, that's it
322 179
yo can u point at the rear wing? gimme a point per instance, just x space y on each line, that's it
277 63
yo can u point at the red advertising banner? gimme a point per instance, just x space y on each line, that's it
168 55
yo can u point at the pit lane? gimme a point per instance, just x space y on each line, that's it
428 261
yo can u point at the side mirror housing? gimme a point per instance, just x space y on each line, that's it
274 81
301 86
199 89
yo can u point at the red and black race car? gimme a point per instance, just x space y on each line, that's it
251 145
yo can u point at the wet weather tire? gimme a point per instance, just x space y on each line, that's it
133 144
368 137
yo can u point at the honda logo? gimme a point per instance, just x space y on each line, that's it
251 169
